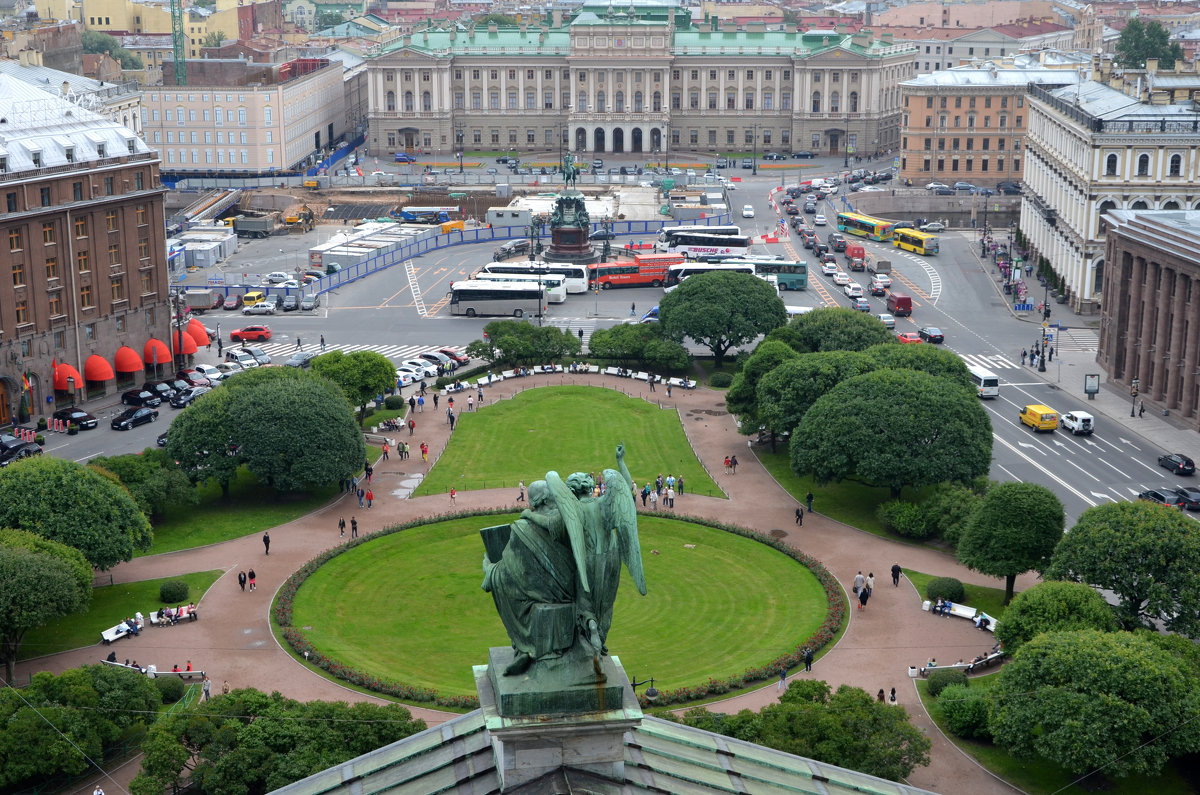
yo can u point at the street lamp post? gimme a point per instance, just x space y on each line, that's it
754 143
1133 393
458 135
71 389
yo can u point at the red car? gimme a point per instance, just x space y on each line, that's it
909 337
456 355
250 334
193 378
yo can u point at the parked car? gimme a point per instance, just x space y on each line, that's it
161 441
931 334
213 375
933 226
163 390
773 156
602 234
260 356
944 191
276 277
301 359
909 337
436 357
290 303
722 163
511 249
242 359
404 376
250 334
747 162
229 369
14 449
424 368
1189 496
263 308
458 356
935 185
1009 188
405 157
184 398
310 302
1164 496
233 301
804 154
887 320
1178 463
132 417
84 420
963 186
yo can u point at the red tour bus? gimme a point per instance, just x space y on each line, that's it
646 270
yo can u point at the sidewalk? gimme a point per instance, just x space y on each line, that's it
233 640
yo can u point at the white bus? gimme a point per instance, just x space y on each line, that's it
700 243
987 383
677 273
668 232
575 276
511 299
554 285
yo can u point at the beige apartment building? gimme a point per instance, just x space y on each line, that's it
239 116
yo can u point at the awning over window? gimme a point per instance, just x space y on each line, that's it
128 361
97 368
156 352
62 373
189 344
196 330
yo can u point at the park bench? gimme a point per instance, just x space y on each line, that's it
152 671
594 369
989 658
682 382
613 371
118 632
508 374
962 611
189 613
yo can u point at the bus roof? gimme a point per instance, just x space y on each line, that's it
487 284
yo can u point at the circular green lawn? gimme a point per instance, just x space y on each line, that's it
408 606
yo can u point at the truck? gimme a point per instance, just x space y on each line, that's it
428 215
856 256
256 225
878 266
197 301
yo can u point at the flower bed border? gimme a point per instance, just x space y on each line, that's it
281 613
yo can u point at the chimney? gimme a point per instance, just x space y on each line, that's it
66 88
1151 65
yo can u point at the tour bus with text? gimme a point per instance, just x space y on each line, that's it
646 270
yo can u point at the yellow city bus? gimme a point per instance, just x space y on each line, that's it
915 241
864 226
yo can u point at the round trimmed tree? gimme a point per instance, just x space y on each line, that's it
721 311
1053 606
1013 530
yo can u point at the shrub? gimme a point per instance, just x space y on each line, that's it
948 510
720 380
904 518
172 688
940 679
946 588
394 402
173 592
966 710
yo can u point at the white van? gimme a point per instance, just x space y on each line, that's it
796 311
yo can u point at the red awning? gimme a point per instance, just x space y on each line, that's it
97 368
189 344
62 373
156 352
195 329
128 361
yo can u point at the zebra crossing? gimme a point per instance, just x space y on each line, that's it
394 352
988 362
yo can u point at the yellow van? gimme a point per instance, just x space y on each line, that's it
1039 417
253 297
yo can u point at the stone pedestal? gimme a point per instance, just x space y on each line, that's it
570 244
538 726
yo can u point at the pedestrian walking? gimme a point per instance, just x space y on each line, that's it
299 344
733 463
412 427
449 413
726 465
782 677
370 497
679 485
859 582
521 491
435 400
1023 355
1050 358
420 404
206 688
650 380
799 516
424 452
412 404
863 596
362 495
896 570
808 659
370 470
267 542
452 420
253 585
1141 409
871 584
668 389
322 342
354 527
808 498
654 500
645 494
453 493
384 448
242 580
632 309
97 790
670 498
479 396
342 527
581 336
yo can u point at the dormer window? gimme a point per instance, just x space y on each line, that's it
37 159
100 150
3 164
70 151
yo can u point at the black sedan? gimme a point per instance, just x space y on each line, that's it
81 418
132 417
1190 495
290 303
1178 463
932 335
140 397
602 234
184 398
773 156
803 155
14 449
1163 496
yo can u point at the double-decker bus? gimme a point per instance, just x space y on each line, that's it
864 226
513 299
789 274
575 276
700 242
677 273
646 270
987 383
916 241
555 286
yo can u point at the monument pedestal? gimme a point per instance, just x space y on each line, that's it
540 724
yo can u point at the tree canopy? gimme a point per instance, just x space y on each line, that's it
519 342
833 329
894 428
1013 530
932 359
39 580
1053 606
785 394
361 375
69 503
1140 41
153 479
1113 702
95 42
848 728
741 398
248 741
1146 554
638 344
721 311
203 439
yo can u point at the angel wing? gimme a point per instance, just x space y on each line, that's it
572 515
622 515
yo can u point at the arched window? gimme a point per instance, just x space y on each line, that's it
619 101
1143 169
1139 205
637 101
426 101
854 102
1170 205
408 101
1105 206
816 102
390 100
1176 167
835 102
600 100
1110 166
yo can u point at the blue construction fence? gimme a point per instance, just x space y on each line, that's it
337 155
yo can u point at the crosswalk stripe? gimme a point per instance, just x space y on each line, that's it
995 362
397 352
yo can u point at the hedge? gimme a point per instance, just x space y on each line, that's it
835 617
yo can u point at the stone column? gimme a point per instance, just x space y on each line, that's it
1131 322
1152 365
1177 361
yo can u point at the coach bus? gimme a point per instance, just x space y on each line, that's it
987 383
916 241
554 285
646 270
789 274
700 243
511 299
574 276
864 226
677 273
668 232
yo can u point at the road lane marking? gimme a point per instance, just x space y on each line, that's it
1091 503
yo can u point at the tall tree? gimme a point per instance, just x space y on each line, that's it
518 342
39 580
69 503
153 479
361 375
894 428
742 397
1146 554
785 394
203 440
638 344
1141 40
833 329
721 311
932 359
1014 530
96 42
1053 606
1109 702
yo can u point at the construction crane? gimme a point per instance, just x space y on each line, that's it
177 42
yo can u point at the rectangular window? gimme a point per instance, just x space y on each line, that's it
14 240
108 186
48 233
51 267
18 274
81 262
110 220
80 227
114 254
45 195
143 248
85 297
10 200
148 287
140 213
22 312
118 290
120 324
55 305
60 339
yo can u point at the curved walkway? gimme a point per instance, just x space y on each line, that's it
233 641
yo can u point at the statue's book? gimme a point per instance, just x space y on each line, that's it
495 539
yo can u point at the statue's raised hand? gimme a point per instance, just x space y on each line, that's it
620 452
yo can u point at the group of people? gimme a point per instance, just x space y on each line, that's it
663 488
1035 356
173 614
244 579
942 607
353 527
134 624
731 463
863 588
